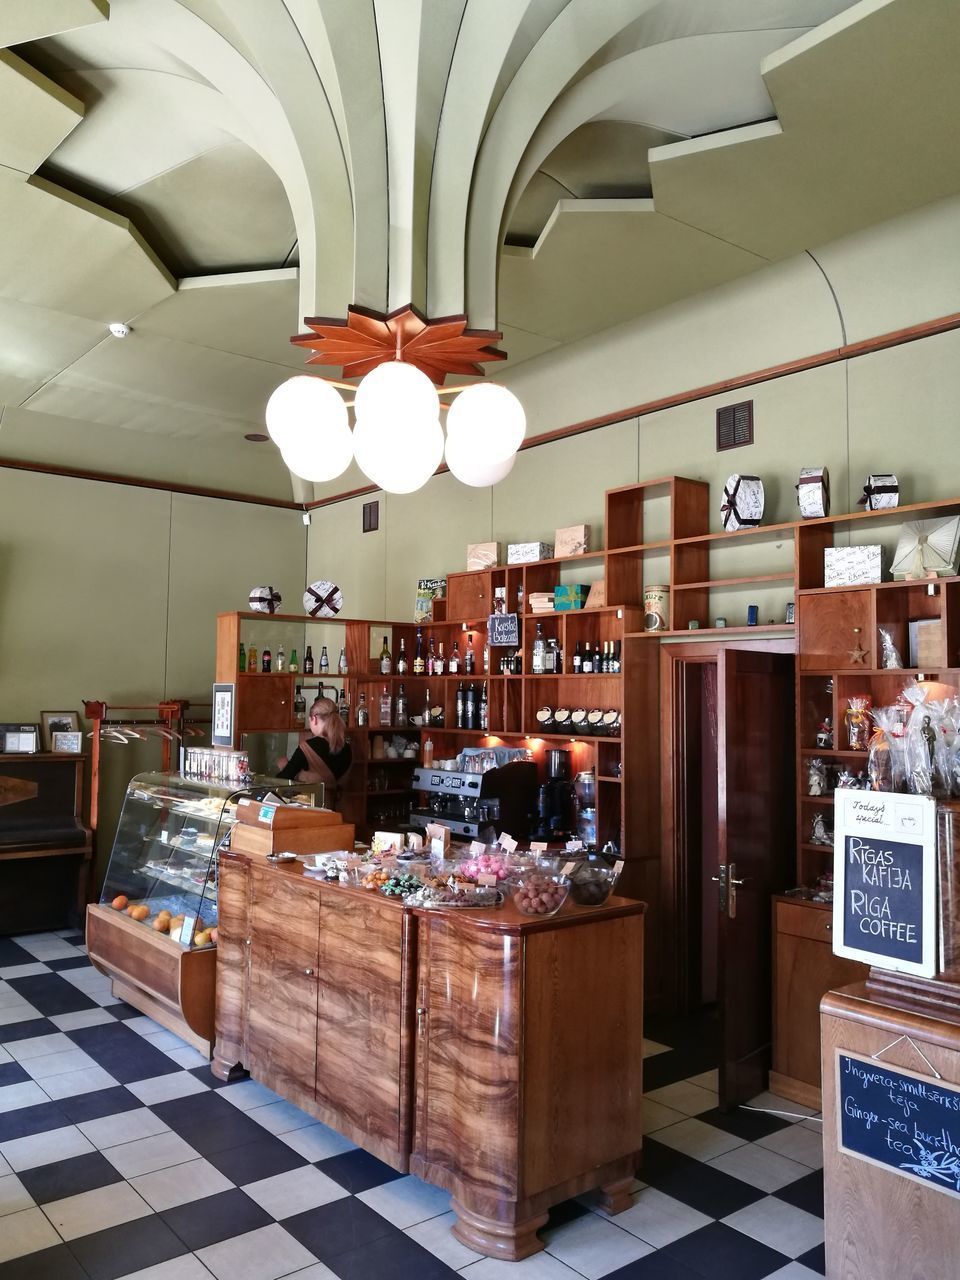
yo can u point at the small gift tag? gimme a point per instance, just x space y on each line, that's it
487 880
567 868
538 846
507 843
476 848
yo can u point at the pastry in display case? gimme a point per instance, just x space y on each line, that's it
155 928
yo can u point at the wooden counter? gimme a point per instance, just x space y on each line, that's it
493 1054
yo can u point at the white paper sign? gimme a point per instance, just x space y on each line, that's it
476 848
538 846
573 846
507 843
567 868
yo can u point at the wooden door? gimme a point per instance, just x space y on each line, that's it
282 1011
756 790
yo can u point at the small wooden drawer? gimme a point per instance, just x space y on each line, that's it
805 920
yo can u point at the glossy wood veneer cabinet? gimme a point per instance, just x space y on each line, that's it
492 1054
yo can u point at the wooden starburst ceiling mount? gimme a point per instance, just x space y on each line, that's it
368 338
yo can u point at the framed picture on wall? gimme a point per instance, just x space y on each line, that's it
53 722
224 701
69 743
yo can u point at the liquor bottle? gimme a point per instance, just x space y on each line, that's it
294 665
486 658
252 658
539 648
281 658
577 660
431 657
454 664
363 716
386 706
324 661
616 658
461 707
342 661
401 706
484 709
308 662
439 662
243 657
266 662
402 659
470 708
469 658
299 706
386 662
586 666
419 666
427 712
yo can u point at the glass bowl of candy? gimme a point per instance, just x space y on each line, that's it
592 884
399 884
492 863
540 893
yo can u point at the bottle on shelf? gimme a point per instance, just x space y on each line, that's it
324 661
386 706
281 658
577 660
402 659
470 720
470 657
617 667
363 715
343 706
454 665
586 666
439 662
386 661
484 709
401 712
428 753
266 662
308 662
419 666
252 658
431 658
486 657
294 665
539 649
299 706
242 663
342 661
427 712
461 707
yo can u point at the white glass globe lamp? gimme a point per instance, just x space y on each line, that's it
398 392
397 452
466 456
306 416
323 456
490 415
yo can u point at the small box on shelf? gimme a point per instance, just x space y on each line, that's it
528 552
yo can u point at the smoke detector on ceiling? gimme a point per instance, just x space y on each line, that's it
119 329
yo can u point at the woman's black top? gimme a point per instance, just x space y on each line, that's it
338 762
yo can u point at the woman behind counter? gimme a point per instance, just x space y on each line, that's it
324 755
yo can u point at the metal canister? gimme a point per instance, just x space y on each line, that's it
656 608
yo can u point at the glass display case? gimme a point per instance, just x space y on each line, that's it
162 873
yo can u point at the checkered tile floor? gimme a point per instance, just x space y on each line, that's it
121 1156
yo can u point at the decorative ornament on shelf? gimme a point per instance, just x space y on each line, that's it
880 493
927 549
742 506
397 440
265 599
816 777
858 654
813 492
322 599
889 652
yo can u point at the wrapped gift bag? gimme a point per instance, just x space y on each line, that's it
264 599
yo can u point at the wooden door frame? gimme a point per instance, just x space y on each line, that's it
675 862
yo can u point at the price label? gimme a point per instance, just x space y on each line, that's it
487 880
618 866
266 813
538 846
507 843
567 868
186 929
573 846
476 848
437 847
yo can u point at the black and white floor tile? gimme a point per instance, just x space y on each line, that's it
122 1158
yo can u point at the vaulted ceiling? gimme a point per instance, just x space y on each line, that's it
212 171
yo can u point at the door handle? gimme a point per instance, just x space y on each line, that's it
726 878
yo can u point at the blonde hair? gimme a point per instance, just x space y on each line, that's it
334 730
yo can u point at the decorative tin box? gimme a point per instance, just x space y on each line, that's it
529 552
742 506
264 599
851 566
322 599
813 492
880 493
482 555
570 596
572 541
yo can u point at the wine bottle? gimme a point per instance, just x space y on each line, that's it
419 665
469 658
577 660
461 707
484 709
386 662
402 659
454 664
539 648
439 662
470 708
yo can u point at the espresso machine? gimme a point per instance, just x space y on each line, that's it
555 810
478 806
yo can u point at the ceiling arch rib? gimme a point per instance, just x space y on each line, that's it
581 29
494 38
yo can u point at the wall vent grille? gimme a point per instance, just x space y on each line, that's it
371 516
735 425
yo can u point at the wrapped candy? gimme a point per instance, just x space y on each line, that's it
857 719
885 758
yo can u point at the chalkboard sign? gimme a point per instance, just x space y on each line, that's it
503 629
885 880
900 1120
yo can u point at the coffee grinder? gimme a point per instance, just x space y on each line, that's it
555 816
